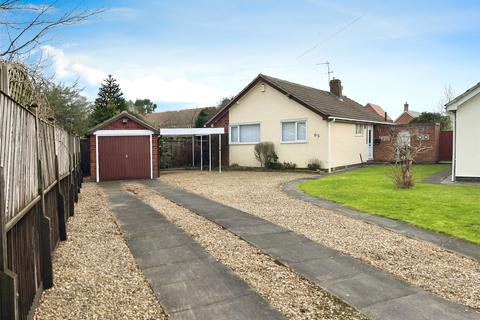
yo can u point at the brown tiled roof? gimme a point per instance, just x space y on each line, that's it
174 119
319 101
379 110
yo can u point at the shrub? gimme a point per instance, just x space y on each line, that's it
314 164
272 161
265 154
288 165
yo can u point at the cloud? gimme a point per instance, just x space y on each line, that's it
134 83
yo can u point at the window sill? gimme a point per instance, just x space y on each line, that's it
242 143
293 142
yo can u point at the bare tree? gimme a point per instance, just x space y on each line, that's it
447 95
404 144
25 26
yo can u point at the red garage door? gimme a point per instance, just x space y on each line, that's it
124 157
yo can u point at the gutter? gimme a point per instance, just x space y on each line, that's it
361 121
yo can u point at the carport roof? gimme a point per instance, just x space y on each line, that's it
188 132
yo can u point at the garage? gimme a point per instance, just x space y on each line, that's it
123 147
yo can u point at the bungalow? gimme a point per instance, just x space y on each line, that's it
466 134
304 123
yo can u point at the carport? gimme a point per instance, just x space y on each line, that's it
199 133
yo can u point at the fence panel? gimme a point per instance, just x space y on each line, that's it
62 151
18 154
446 145
28 199
47 152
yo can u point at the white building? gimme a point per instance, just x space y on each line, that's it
466 134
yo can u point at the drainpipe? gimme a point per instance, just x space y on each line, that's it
329 144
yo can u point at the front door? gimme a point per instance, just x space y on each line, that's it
369 143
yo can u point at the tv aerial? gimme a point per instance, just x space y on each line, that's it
329 72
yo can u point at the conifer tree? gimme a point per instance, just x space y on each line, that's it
109 102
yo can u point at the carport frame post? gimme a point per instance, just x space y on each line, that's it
201 153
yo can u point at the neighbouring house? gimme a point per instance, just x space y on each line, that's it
185 118
466 134
379 110
123 147
407 115
304 123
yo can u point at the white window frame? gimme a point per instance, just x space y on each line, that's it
296 130
238 125
361 126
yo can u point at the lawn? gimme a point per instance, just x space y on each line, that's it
450 209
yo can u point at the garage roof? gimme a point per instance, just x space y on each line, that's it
123 114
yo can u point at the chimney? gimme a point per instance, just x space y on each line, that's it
386 116
336 87
405 107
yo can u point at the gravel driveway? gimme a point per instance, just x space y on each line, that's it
295 297
449 275
95 275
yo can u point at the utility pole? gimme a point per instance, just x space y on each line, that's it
328 68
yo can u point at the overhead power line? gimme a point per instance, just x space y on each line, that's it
330 37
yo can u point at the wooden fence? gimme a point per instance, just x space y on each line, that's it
40 178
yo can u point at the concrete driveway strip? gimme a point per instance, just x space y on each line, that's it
188 282
369 290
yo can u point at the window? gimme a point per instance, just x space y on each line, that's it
245 133
359 130
294 131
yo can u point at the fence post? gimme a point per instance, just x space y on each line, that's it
45 226
62 225
45 239
8 279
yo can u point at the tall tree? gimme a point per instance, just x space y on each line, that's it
144 106
109 102
447 95
70 108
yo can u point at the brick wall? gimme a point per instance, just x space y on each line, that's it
155 155
223 122
430 133
93 157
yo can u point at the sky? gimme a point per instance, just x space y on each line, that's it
192 53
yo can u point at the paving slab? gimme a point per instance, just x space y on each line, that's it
231 309
188 282
420 306
368 289
452 244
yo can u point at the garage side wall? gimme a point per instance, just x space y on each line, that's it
155 155
93 157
